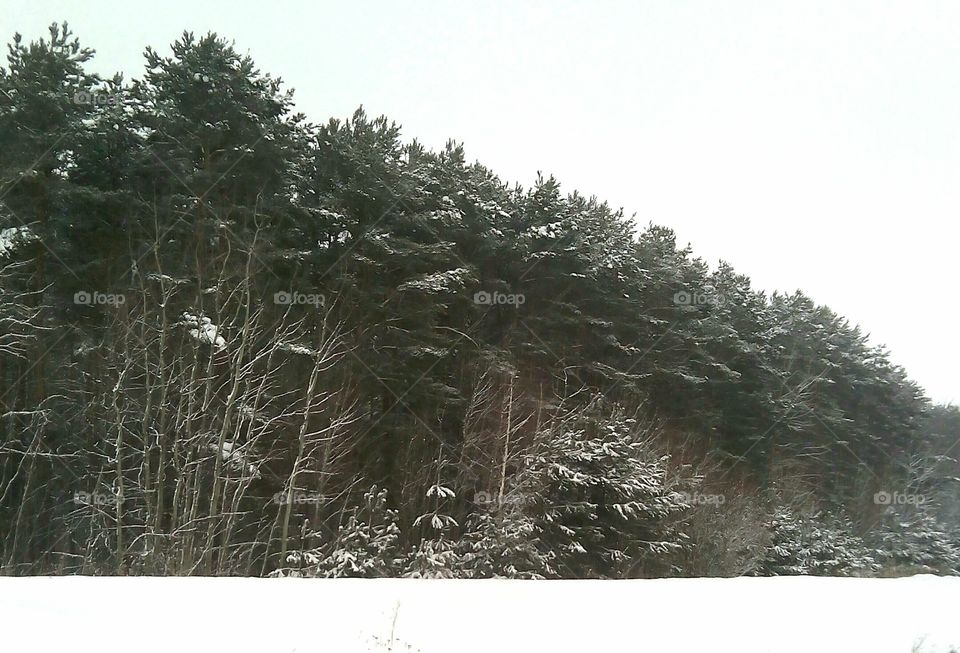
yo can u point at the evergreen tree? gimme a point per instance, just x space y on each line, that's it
197 196
814 544
603 503
367 546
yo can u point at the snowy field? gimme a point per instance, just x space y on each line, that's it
240 615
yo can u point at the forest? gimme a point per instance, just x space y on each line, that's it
234 341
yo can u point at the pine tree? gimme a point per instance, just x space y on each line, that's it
504 543
603 503
815 544
367 546
914 541
198 194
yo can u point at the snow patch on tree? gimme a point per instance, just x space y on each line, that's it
202 329
12 238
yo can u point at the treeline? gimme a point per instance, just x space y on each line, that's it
236 342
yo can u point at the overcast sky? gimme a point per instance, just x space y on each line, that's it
813 145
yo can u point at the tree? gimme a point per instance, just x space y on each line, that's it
367 546
604 504
814 544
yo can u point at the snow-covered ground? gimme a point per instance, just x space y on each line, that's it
239 615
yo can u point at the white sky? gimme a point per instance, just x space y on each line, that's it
813 145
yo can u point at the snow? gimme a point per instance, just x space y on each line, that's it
234 457
246 615
447 281
203 330
297 348
547 230
13 237
165 278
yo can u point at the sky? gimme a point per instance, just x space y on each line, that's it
812 145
